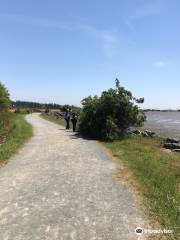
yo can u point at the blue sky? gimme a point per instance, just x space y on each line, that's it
62 51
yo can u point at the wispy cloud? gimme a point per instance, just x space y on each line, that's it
149 9
38 22
106 37
160 64
129 25
110 44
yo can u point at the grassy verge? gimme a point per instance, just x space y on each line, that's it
53 119
157 174
20 132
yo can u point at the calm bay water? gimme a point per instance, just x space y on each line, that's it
166 124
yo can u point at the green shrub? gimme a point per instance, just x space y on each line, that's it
6 122
6 118
107 117
4 98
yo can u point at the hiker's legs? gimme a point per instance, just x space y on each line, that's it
67 123
74 126
67 126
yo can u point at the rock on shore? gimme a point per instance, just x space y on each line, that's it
168 143
145 133
172 144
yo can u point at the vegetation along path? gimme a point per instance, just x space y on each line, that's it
60 187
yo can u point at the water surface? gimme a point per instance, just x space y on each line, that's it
166 124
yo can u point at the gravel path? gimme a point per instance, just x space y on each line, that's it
59 187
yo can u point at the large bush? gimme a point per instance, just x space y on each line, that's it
107 117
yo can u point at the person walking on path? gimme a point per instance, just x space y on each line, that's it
67 118
74 121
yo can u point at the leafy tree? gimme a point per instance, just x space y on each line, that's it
107 117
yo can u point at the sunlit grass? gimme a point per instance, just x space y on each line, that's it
19 133
157 173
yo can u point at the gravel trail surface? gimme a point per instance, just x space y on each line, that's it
60 187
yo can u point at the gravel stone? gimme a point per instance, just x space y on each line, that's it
60 187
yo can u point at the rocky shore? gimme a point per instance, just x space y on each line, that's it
172 144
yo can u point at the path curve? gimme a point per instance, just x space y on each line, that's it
59 187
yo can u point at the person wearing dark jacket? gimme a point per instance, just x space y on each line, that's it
67 118
74 121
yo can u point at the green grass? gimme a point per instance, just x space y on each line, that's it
19 133
157 174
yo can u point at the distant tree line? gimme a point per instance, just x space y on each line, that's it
163 110
36 105
26 104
